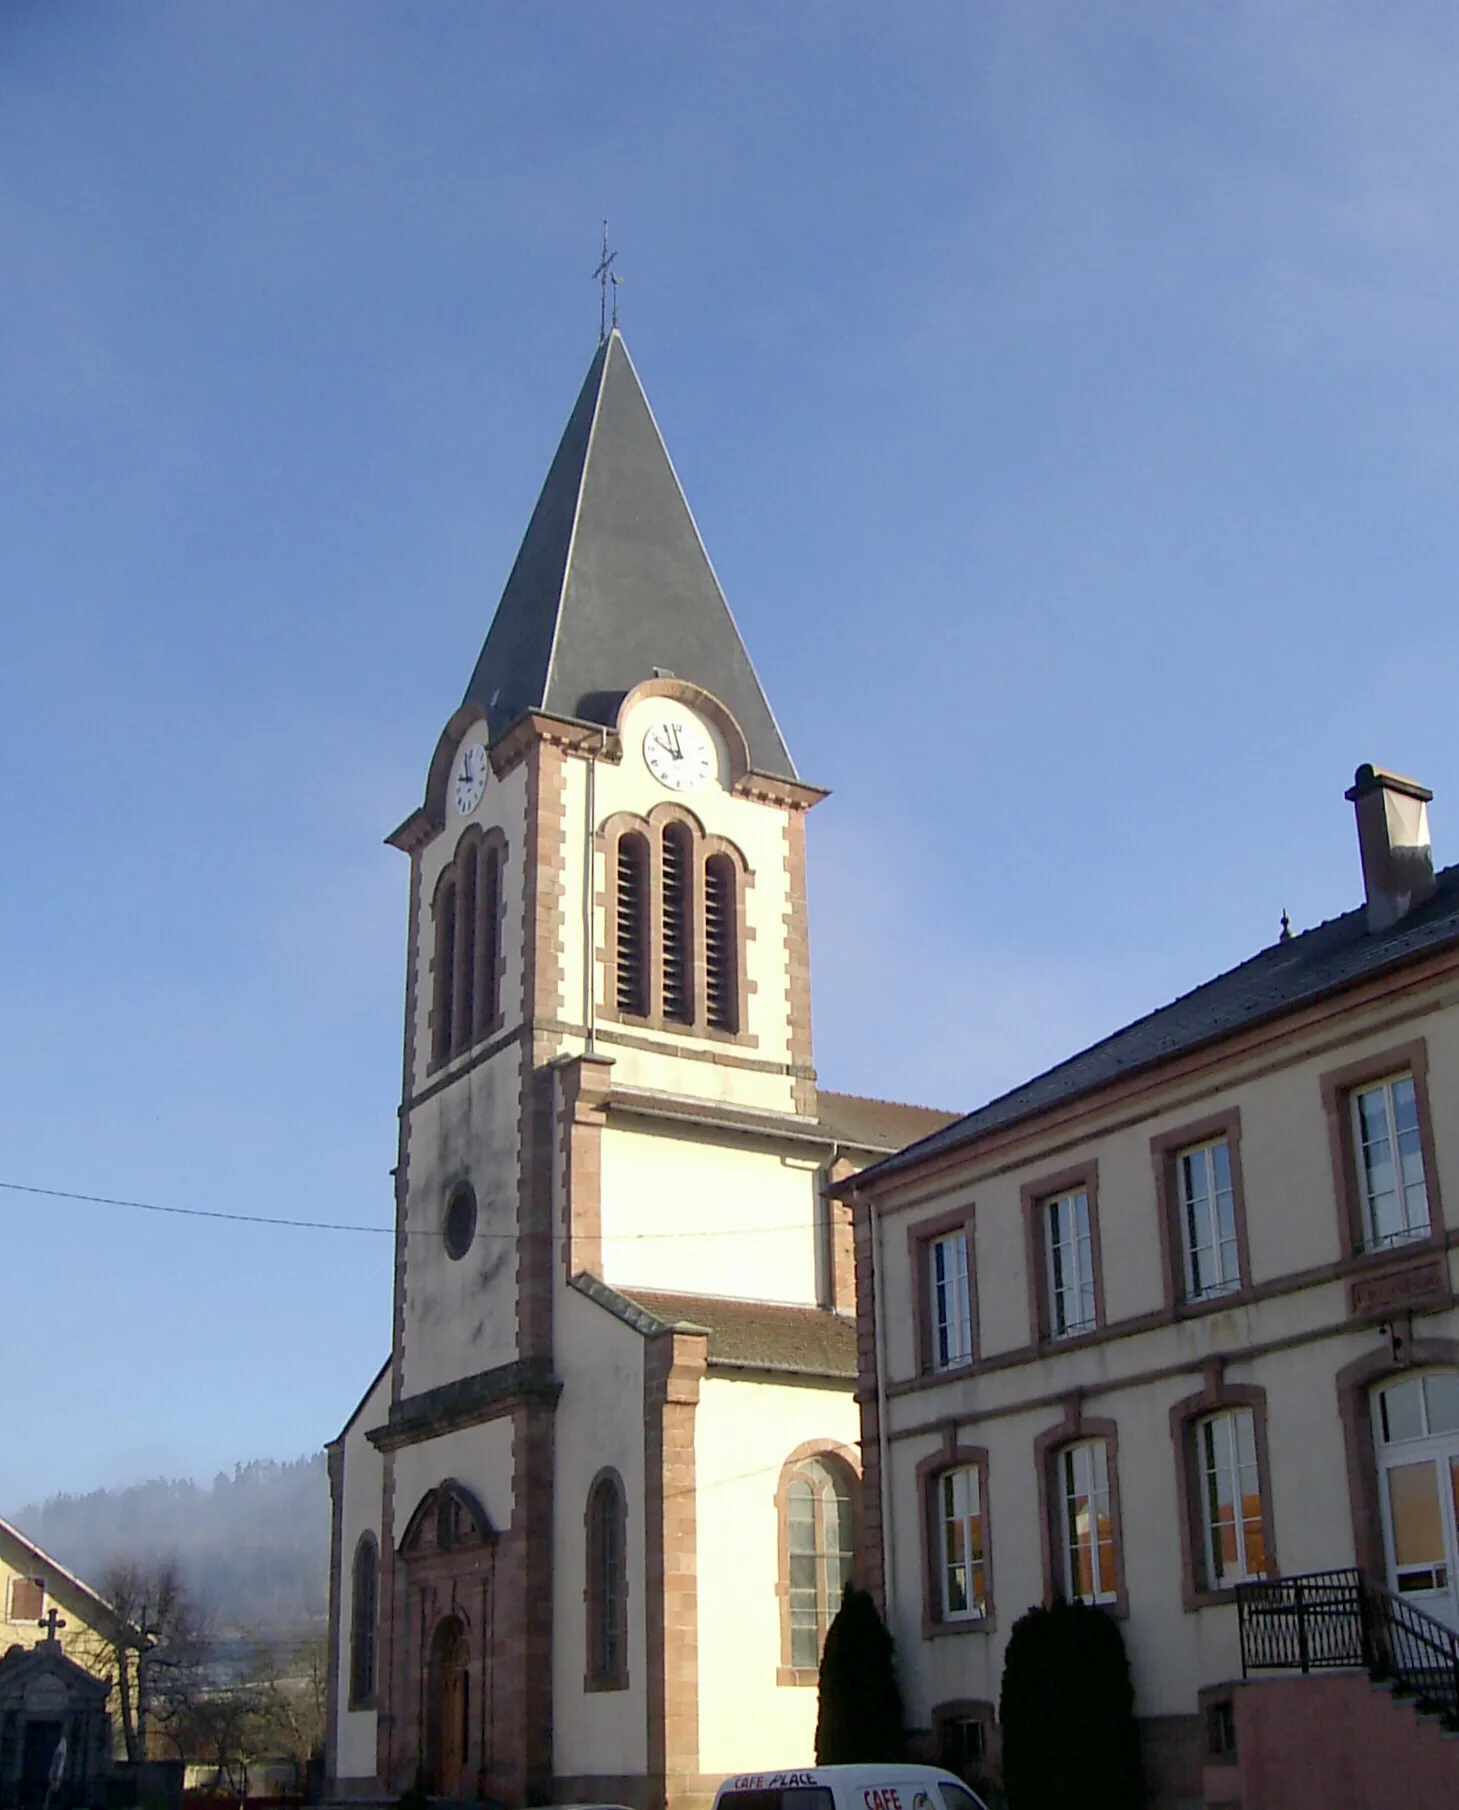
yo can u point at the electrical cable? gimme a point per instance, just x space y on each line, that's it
334 1225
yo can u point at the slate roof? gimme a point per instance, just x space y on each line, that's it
612 581
1340 953
876 1124
841 1118
743 1335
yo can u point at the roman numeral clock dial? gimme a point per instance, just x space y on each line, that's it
470 778
678 754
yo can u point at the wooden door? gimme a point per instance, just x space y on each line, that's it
448 1704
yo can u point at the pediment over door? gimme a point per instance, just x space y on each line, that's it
448 1518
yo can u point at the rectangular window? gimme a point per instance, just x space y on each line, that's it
952 1306
1390 1159
1069 1260
1208 1221
27 1598
1089 1541
960 1541
1231 1499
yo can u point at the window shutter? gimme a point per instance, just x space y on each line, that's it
678 956
721 945
27 1599
632 948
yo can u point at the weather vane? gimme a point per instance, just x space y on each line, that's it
607 276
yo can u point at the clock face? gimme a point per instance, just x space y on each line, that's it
470 778
678 754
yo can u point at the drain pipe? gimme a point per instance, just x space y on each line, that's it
888 1549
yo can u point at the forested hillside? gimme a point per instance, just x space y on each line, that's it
254 1547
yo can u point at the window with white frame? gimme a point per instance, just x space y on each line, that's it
1235 1535
951 1298
1208 1221
1069 1262
1418 1458
1089 1538
1389 1151
961 1557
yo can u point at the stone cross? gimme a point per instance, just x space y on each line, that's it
50 1622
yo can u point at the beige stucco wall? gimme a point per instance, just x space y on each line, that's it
694 1211
1293 1225
460 1315
359 1514
81 1639
480 1457
599 1424
744 1433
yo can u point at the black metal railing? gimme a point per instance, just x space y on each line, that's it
1327 1619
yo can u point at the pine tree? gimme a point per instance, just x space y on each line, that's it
860 1714
1068 1713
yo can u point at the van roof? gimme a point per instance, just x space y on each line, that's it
883 1773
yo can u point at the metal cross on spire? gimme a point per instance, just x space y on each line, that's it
51 1623
606 276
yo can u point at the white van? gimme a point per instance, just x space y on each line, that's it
896 1786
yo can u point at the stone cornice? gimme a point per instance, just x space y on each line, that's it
467 1402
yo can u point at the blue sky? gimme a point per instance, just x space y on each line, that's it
1068 396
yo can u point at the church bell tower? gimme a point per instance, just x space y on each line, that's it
607 917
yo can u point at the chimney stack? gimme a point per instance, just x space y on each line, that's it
1393 838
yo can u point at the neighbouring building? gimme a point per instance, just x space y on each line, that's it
1172 1328
57 1641
592 1517
33 1586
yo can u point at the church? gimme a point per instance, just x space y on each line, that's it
592 1518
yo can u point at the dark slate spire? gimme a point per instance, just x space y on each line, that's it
612 581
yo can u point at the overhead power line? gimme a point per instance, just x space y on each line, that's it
335 1225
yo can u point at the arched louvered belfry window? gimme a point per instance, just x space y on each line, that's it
364 1611
488 937
607 1591
632 926
463 1010
444 970
721 944
676 888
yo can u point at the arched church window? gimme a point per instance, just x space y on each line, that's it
607 1585
721 944
444 969
817 1500
363 1618
678 905
632 927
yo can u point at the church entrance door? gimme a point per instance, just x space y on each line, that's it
446 1724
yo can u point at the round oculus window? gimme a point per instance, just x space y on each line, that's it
460 1222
